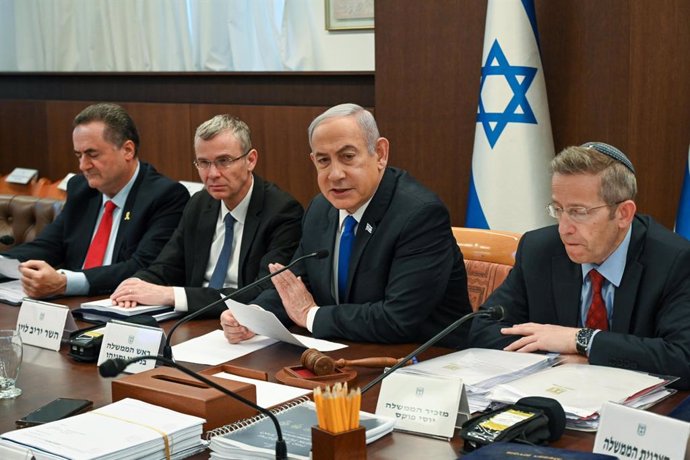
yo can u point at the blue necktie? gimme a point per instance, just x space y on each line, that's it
345 250
221 270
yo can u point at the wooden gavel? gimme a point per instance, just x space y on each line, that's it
321 364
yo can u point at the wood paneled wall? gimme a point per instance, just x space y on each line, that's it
616 71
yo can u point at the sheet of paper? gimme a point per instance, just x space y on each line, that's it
9 268
213 348
12 292
266 323
268 394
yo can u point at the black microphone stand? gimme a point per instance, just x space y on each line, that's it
119 365
492 312
167 349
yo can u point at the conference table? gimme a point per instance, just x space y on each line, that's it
46 375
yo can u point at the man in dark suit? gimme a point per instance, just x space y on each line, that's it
265 228
394 273
606 285
118 214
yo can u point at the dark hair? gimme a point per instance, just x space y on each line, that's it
119 126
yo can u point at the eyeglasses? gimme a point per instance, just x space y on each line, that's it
577 214
219 163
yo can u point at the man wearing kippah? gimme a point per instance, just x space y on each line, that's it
605 285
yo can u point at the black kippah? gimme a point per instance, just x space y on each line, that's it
610 151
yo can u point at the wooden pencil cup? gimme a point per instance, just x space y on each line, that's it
348 445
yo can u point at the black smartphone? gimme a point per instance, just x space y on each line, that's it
55 410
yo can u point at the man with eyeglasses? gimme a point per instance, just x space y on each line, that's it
118 215
605 285
394 273
230 231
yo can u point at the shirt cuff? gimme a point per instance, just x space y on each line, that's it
77 284
311 316
180 297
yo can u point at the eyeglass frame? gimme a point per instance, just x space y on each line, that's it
230 160
551 209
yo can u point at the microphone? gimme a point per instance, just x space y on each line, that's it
112 367
6 240
167 349
495 313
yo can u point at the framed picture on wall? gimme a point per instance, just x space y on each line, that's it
349 14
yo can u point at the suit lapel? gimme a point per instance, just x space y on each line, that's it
567 287
251 225
203 239
83 240
129 212
626 294
324 238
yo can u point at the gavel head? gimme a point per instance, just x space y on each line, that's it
317 362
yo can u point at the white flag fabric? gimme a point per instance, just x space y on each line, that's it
683 216
511 184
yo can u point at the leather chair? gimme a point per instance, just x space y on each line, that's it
489 257
23 217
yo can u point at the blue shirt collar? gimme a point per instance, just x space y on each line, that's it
120 199
613 267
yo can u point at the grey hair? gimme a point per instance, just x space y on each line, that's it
119 126
220 123
618 183
364 118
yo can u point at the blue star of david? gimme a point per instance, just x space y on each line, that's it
519 99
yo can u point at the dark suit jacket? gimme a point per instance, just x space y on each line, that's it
407 279
650 328
154 206
271 233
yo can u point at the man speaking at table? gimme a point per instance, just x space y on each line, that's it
394 273
118 215
606 282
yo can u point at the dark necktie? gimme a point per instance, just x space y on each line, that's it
344 252
597 317
221 270
96 253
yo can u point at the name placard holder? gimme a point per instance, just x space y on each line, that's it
423 404
21 175
43 324
636 434
63 183
127 340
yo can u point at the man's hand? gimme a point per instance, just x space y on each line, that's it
234 331
133 291
297 300
41 280
542 337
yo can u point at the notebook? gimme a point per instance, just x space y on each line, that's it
103 310
255 438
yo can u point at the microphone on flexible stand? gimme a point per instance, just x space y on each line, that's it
112 367
6 240
496 313
167 349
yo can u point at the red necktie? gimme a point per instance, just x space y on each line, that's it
597 317
94 258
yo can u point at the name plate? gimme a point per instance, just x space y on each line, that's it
423 404
43 324
63 183
21 175
636 434
126 340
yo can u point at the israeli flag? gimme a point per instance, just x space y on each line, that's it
510 184
683 217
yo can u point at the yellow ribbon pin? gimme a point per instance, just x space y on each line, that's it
127 215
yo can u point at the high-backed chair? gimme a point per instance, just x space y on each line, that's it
23 217
489 256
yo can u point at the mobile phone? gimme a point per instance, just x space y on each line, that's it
55 410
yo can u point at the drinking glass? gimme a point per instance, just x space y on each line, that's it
10 362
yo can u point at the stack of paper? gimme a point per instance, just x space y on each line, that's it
481 369
122 430
583 388
104 310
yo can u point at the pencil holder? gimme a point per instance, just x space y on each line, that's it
348 445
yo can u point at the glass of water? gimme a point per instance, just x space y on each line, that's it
10 362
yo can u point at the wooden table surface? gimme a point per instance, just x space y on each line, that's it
46 375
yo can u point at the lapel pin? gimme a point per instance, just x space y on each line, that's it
369 228
127 217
